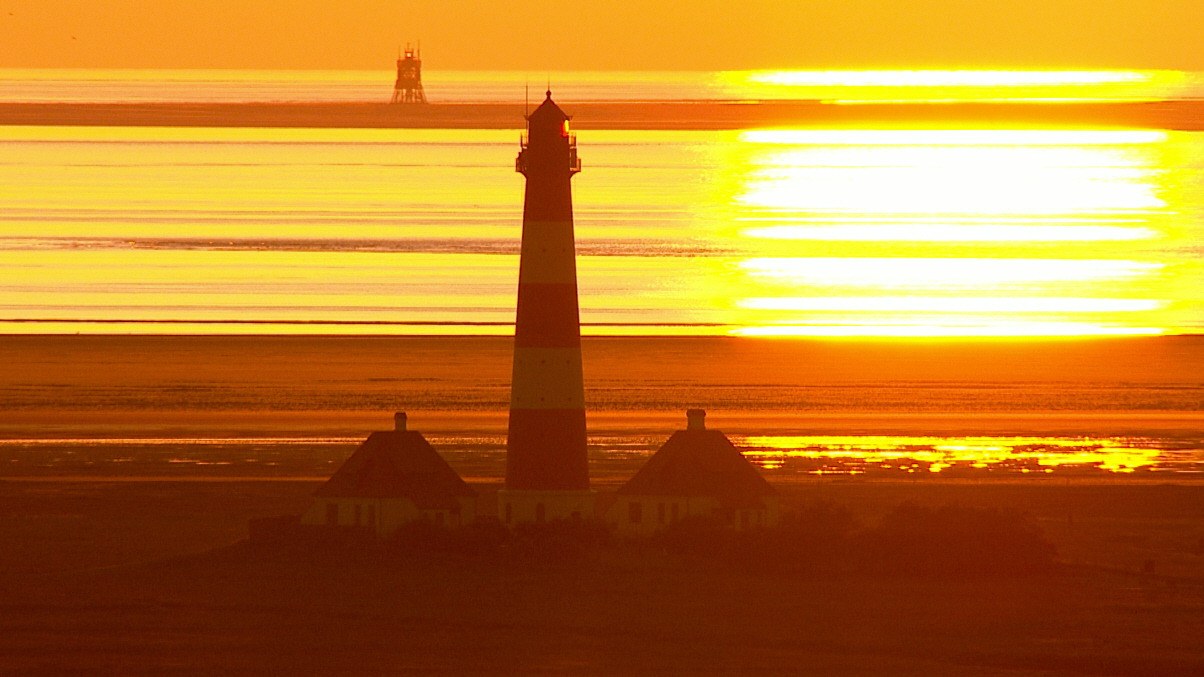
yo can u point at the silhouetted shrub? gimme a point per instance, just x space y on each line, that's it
422 536
275 530
911 540
696 537
320 544
486 537
952 540
819 523
816 536
489 540
558 541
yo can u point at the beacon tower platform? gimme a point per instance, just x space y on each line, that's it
547 474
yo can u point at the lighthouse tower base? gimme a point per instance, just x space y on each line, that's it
517 506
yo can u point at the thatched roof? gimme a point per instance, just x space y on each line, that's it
397 464
698 463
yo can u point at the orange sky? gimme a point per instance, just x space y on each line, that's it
565 34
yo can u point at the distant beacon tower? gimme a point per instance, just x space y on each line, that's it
547 474
408 88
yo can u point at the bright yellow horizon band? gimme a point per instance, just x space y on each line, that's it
1025 330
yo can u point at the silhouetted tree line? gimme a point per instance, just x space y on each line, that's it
911 540
819 538
487 539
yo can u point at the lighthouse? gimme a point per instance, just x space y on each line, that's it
547 474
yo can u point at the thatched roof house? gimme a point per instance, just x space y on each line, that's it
698 472
393 478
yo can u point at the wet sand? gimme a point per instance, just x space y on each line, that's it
98 386
659 115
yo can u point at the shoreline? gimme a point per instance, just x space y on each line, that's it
1179 115
609 485
69 423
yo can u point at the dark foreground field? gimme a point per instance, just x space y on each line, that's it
137 577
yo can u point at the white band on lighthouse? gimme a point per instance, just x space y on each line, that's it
546 378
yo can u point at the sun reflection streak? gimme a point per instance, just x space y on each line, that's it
979 273
935 304
950 233
1071 138
955 85
956 328
1117 455
950 78
979 172
927 186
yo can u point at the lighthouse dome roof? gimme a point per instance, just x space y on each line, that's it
548 111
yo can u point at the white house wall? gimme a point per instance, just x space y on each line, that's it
658 512
390 513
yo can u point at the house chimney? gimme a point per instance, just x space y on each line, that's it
696 419
399 421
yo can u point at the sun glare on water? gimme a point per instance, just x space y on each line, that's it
954 233
857 454
949 78
865 86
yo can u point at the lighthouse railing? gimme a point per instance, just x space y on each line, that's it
574 161
521 162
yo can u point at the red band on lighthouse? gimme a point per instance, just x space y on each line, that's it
553 450
547 316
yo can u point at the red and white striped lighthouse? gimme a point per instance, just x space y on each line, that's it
547 475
